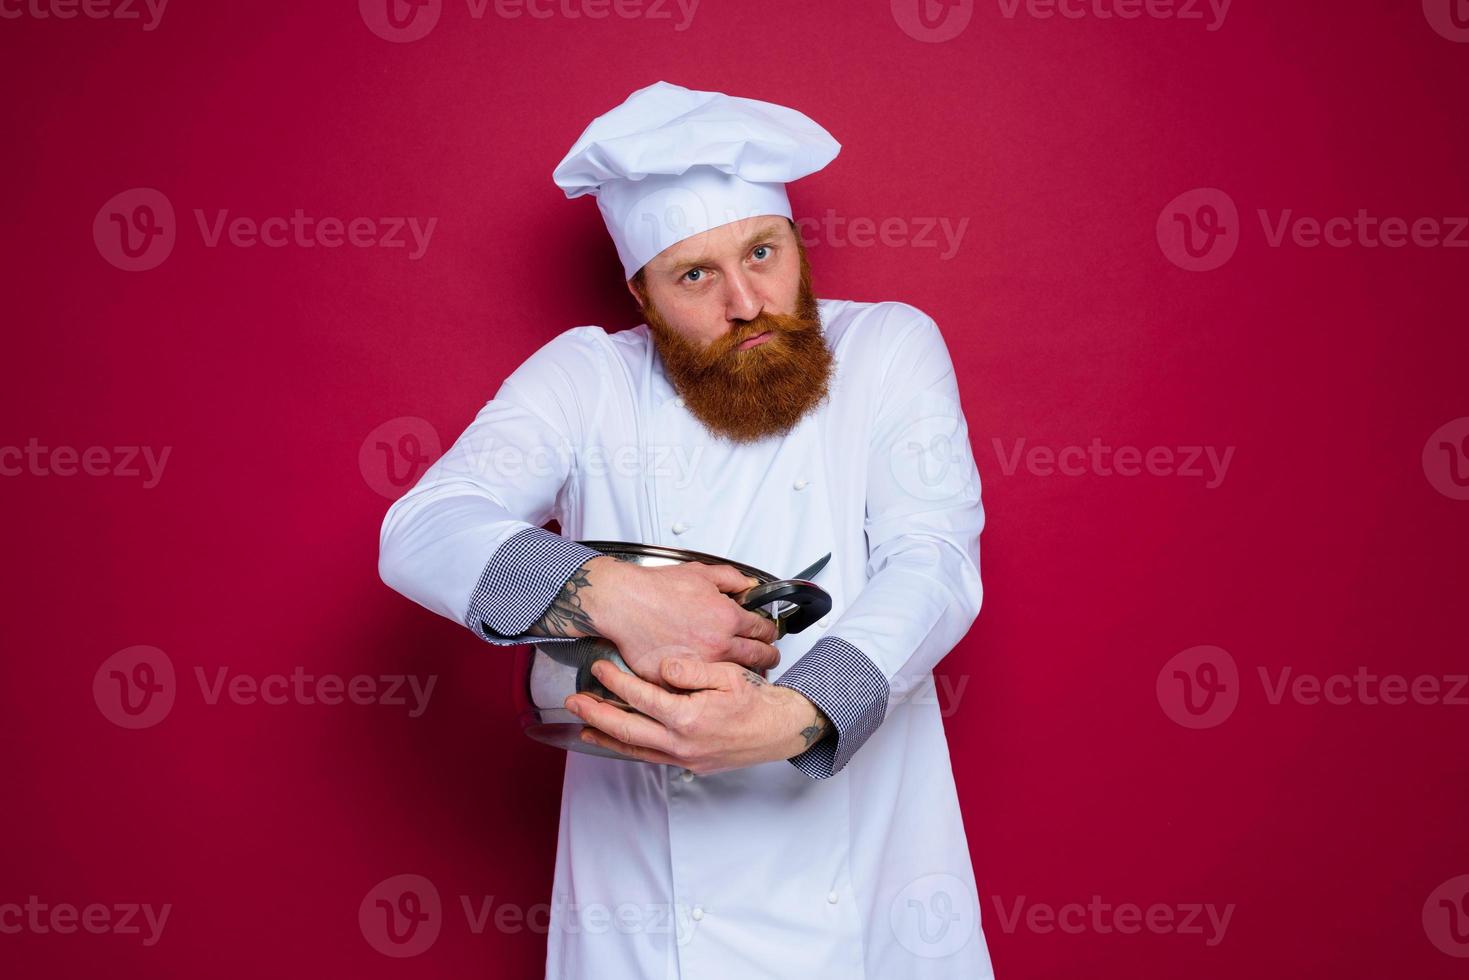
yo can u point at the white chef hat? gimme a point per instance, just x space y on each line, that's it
670 163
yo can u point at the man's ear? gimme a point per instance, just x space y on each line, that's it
635 294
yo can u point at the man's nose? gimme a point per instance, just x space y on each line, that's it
741 300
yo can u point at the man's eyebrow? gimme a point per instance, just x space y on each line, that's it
768 231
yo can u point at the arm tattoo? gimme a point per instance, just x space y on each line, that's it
818 728
565 616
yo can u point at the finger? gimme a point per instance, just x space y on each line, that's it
695 675
756 626
625 726
645 665
647 698
593 737
752 653
727 578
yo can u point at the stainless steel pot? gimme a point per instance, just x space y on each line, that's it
550 673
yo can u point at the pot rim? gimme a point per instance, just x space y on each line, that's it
684 554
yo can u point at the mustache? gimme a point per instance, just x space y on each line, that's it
772 323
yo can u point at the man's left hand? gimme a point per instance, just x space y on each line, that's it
722 716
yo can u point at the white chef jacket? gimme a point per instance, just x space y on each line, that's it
850 860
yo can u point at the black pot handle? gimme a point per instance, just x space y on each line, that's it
811 602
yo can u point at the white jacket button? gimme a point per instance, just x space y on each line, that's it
698 913
832 897
678 401
680 527
686 775
800 484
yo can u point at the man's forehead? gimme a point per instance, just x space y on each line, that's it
733 236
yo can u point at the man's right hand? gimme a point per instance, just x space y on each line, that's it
646 609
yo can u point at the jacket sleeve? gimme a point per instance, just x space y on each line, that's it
466 541
923 521
519 584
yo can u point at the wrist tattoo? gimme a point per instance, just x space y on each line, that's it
815 731
566 617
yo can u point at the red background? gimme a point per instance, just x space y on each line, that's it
1325 549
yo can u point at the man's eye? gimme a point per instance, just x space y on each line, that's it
759 249
693 275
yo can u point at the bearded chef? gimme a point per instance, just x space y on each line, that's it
807 826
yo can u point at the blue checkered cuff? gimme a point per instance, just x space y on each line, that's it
847 686
519 583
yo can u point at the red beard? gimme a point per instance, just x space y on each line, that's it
746 395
